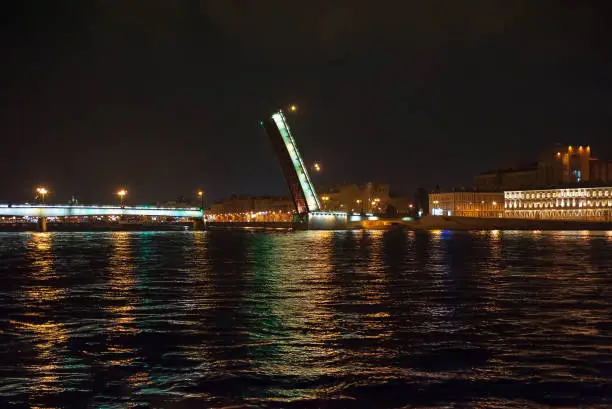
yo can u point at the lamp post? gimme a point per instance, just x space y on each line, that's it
122 194
325 200
42 192
201 196
358 201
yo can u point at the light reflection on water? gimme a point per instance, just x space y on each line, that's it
324 319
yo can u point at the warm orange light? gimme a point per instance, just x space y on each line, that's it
42 190
293 108
558 153
200 193
122 192
317 167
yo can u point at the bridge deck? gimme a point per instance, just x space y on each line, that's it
67 211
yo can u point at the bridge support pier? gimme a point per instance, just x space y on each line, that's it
42 224
198 224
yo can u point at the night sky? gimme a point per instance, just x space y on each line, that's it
164 97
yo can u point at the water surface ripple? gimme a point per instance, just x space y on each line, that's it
306 319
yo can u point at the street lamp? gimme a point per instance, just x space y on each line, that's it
42 192
358 201
201 196
325 200
122 194
293 108
317 167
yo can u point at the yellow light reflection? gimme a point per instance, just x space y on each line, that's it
48 337
49 344
121 282
40 252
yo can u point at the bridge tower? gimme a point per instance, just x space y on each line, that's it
296 174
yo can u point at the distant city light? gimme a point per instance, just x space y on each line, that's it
317 167
293 108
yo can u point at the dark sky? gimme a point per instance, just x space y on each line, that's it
163 97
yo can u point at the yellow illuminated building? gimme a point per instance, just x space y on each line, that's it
557 166
370 197
467 204
252 209
588 204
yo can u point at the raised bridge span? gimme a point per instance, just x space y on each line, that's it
298 180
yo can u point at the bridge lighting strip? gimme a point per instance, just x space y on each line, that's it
64 211
311 197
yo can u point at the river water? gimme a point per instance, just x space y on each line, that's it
306 319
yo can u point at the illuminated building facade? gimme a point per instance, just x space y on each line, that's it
247 204
370 197
557 166
467 204
562 165
588 204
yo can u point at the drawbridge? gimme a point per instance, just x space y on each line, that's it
305 199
